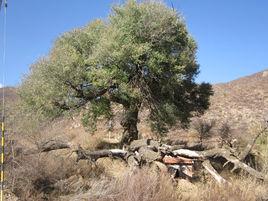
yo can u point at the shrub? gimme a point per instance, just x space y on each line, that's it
35 176
204 127
225 131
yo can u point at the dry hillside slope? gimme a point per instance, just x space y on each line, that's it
242 101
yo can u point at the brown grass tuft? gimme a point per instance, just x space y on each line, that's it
138 185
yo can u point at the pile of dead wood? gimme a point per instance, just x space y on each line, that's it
181 159
182 162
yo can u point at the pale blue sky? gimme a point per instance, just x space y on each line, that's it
232 35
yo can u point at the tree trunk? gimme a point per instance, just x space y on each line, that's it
129 124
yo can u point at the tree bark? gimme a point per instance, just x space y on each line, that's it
129 124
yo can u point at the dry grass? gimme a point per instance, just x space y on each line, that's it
138 185
47 176
113 167
34 176
239 190
148 185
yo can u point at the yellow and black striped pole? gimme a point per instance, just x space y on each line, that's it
2 159
3 99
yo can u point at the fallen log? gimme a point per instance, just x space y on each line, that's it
53 144
210 169
177 160
183 157
95 155
187 153
226 154
47 146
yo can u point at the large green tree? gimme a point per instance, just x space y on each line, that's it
142 56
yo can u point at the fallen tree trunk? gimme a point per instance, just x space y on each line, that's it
95 155
48 146
51 145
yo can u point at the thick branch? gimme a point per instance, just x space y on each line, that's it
79 91
48 146
238 164
84 99
147 151
207 165
95 155
117 99
53 145
203 155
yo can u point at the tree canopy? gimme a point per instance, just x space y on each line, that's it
141 56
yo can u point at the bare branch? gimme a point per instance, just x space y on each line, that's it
207 165
250 145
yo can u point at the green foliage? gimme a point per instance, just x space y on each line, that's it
98 108
142 55
55 83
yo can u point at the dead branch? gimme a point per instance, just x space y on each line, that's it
210 169
148 151
250 144
47 146
240 165
95 155
53 145
213 153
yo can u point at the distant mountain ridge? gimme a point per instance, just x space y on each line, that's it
10 93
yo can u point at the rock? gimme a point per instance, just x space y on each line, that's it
149 155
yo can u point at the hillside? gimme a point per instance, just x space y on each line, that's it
242 101
10 94
10 97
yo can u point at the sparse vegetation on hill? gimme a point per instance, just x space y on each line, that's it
241 102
